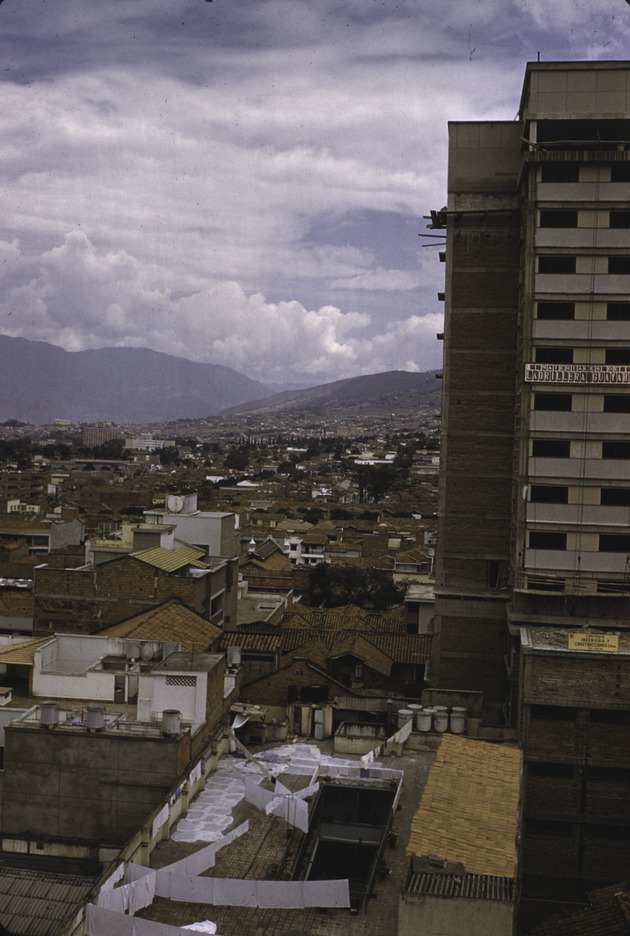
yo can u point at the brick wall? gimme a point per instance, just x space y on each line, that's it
84 601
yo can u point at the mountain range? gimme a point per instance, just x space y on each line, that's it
40 382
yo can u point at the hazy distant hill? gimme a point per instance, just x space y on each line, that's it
390 391
40 383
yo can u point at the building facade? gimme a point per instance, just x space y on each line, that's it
535 465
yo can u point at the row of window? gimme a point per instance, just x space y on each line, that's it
564 355
569 217
564 263
570 172
559 494
565 311
604 586
608 542
561 448
563 402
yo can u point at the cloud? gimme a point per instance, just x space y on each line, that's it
386 280
89 299
244 182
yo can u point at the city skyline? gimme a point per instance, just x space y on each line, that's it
244 183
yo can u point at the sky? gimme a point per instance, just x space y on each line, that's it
243 182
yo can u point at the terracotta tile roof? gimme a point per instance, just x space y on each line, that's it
608 914
417 554
403 648
170 560
356 645
468 811
169 621
16 604
274 561
21 654
317 652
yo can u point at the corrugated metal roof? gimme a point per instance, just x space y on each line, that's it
472 886
170 560
39 903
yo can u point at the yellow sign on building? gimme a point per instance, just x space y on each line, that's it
603 643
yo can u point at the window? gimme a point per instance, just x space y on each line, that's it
554 311
556 264
620 172
551 827
549 494
551 448
544 583
550 771
618 355
609 716
616 449
620 219
543 540
620 265
612 587
554 355
553 712
614 543
609 833
558 218
558 402
615 497
618 311
616 403
560 172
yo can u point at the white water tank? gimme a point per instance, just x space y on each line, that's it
95 718
404 715
171 723
48 714
458 719
440 719
233 656
424 719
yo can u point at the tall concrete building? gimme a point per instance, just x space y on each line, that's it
533 559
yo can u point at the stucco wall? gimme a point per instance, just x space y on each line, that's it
453 916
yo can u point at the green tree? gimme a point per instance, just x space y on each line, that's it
331 586
237 459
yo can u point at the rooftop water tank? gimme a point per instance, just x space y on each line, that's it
233 656
458 719
404 715
440 719
424 719
48 714
95 719
171 723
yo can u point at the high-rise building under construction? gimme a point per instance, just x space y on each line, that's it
533 560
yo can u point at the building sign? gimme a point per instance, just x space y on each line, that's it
605 374
602 643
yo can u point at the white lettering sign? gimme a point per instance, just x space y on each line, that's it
610 374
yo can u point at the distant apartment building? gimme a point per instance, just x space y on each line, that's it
534 505
98 434
147 442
